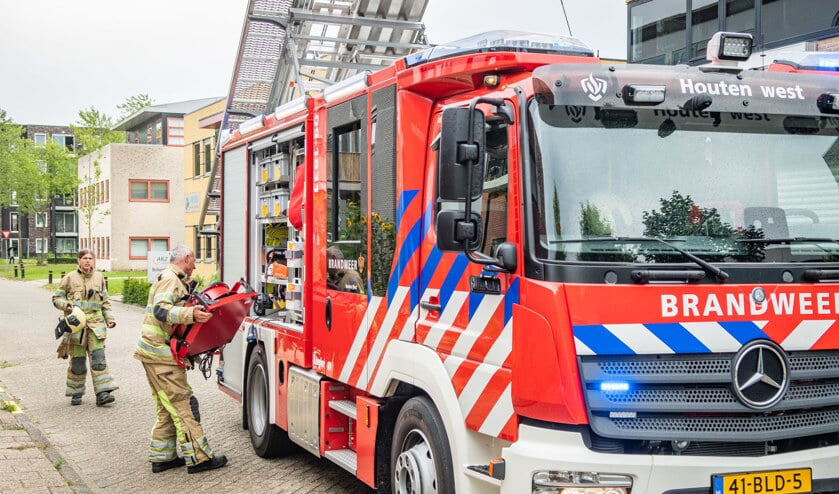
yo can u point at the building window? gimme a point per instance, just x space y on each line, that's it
141 246
42 245
66 245
40 139
149 190
13 222
740 16
65 222
196 158
208 155
41 220
657 31
64 140
704 23
175 131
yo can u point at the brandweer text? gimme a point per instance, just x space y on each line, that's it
741 304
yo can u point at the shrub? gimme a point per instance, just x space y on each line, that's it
135 291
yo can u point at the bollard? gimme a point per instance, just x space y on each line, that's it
62 274
50 277
106 282
22 271
15 270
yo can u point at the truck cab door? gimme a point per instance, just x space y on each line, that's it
343 249
465 310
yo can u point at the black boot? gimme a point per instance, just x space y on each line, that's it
216 461
162 466
76 400
104 398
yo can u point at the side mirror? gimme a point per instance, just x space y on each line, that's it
462 147
506 256
455 232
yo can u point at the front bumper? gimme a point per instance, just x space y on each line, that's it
545 449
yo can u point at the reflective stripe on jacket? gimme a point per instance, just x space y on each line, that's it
86 290
164 309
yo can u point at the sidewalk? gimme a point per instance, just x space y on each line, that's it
28 463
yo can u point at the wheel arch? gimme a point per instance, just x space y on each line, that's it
408 369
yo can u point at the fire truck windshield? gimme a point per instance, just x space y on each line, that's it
725 187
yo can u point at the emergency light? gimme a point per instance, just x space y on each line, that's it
729 47
648 94
503 41
810 60
614 386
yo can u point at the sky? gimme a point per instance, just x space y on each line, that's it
58 57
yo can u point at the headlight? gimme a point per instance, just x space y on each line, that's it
565 482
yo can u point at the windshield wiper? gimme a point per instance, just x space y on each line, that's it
709 268
788 240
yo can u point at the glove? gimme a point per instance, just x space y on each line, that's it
63 349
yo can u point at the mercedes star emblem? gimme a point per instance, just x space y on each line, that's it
760 374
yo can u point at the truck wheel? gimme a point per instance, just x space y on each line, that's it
420 460
267 439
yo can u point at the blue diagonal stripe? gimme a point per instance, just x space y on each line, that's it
406 250
600 340
455 274
743 331
474 301
679 339
431 263
510 298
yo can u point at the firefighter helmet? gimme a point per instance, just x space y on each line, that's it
76 320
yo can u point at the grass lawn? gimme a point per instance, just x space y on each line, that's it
31 271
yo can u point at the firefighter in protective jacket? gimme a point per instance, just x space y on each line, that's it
177 410
85 288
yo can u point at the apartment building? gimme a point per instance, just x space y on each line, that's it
677 31
200 194
54 232
132 197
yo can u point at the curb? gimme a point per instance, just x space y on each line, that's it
72 478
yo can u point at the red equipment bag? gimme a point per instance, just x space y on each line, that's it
229 307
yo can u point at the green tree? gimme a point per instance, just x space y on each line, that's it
10 142
93 132
680 216
133 104
593 222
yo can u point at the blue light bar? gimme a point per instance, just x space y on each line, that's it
503 41
614 386
810 60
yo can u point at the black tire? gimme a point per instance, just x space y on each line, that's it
420 459
267 439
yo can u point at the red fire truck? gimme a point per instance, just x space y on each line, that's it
504 266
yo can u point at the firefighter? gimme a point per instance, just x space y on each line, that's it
85 288
177 420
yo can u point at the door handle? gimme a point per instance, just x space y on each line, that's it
427 305
328 313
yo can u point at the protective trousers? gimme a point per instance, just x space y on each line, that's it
93 349
176 423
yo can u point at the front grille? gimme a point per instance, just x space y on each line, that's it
688 397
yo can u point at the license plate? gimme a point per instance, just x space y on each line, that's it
769 482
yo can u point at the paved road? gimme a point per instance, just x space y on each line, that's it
106 446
